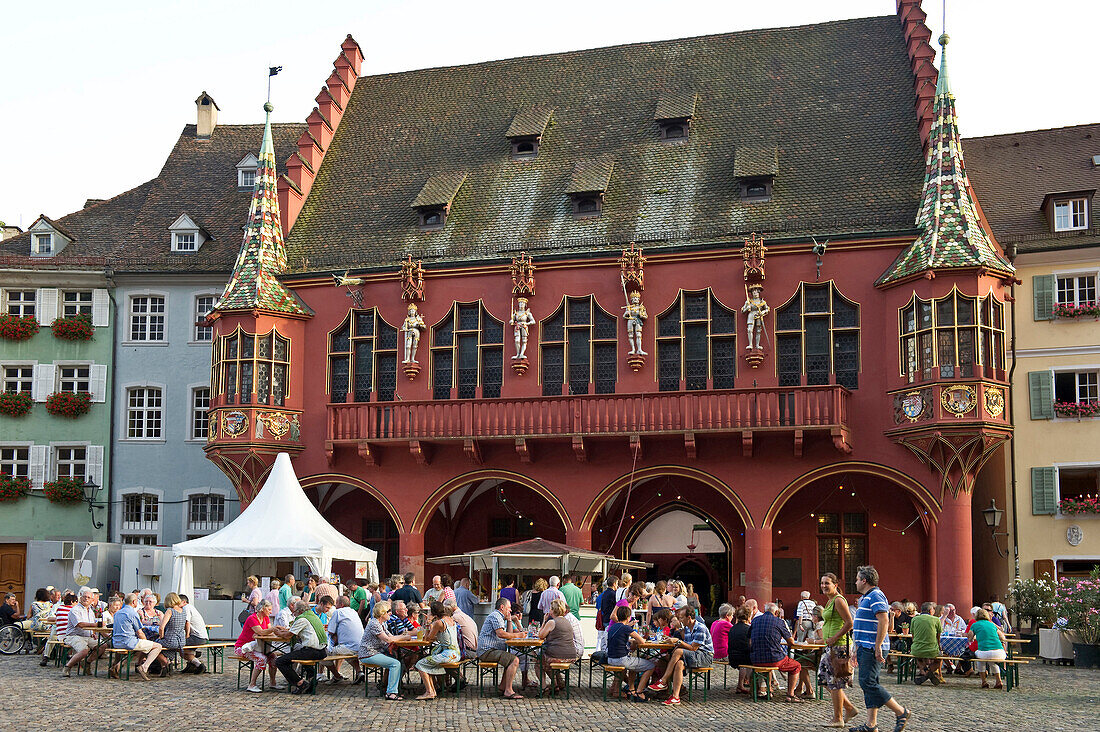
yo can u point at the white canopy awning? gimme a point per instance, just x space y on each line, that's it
279 522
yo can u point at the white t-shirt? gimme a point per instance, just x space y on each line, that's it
806 609
198 625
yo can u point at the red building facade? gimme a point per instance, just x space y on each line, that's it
851 429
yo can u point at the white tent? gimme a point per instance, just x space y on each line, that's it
280 522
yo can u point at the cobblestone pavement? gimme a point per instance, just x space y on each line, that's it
34 698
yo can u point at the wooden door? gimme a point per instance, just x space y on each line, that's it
13 561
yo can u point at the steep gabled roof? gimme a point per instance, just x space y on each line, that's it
952 234
835 99
1013 173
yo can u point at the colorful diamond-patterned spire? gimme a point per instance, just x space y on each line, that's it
254 284
952 235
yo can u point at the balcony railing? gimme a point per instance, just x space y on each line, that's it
813 408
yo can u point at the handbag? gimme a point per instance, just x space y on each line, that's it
599 620
243 616
841 660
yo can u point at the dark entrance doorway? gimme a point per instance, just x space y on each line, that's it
691 572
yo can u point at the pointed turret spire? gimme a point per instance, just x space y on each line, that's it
952 235
254 284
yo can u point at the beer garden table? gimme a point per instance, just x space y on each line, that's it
531 650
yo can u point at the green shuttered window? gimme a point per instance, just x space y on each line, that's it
1042 287
1040 386
1042 492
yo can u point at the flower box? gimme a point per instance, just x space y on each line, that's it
1071 311
15 403
13 488
1083 504
76 328
17 329
70 404
65 490
1077 409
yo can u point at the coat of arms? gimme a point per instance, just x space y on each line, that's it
912 405
234 424
958 399
994 401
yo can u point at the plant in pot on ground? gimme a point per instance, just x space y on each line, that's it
1078 603
1034 600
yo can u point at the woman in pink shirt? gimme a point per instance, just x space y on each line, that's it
720 631
248 647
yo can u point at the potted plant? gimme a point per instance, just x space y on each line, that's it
12 487
70 404
1078 604
15 403
1077 409
1033 599
75 328
1080 505
16 328
65 490
1084 310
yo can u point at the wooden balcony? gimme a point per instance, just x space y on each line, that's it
743 412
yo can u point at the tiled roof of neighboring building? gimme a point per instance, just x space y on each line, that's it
835 99
199 178
1013 173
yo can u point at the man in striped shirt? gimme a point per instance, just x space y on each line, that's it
872 645
60 616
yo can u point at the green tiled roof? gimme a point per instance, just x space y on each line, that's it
529 122
755 160
254 284
835 99
591 176
952 235
675 105
440 190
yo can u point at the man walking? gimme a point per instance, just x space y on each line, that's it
573 595
805 614
872 645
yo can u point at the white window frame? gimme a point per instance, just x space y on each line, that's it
161 412
185 241
1058 467
196 330
40 239
242 182
62 365
1076 370
193 411
21 304
1071 214
5 365
28 446
55 458
1077 299
80 306
188 530
126 528
248 164
131 315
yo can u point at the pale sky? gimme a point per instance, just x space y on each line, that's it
94 94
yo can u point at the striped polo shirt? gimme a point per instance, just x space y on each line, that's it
865 627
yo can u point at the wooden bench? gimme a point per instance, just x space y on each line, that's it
484 668
1012 669
312 665
216 651
756 675
613 672
694 676
907 667
560 666
245 663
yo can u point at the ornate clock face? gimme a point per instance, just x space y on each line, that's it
958 399
994 401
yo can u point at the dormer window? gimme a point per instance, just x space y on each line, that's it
48 238
755 168
525 148
587 186
675 110
433 203
43 244
585 206
756 189
1071 215
187 235
246 172
674 129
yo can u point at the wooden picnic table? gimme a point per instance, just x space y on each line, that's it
531 650
214 625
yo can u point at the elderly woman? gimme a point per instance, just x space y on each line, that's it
443 637
720 631
739 646
990 642
113 606
255 650
149 616
374 646
557 641
174 629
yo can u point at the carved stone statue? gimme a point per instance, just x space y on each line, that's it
412 327
521 321
635 315
755 308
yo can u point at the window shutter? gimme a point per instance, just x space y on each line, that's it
101 308
39 456
1042 287
45 305
1040 386
98 382
1042 492
94 467
44 374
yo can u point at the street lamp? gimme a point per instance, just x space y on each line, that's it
992 516
89 495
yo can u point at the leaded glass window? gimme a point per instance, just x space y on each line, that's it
578 347
817 338
696 343
467 353
362 358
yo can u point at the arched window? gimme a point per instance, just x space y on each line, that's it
948 337
695 343
253 368
581 336
816 336
362 355
467 352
